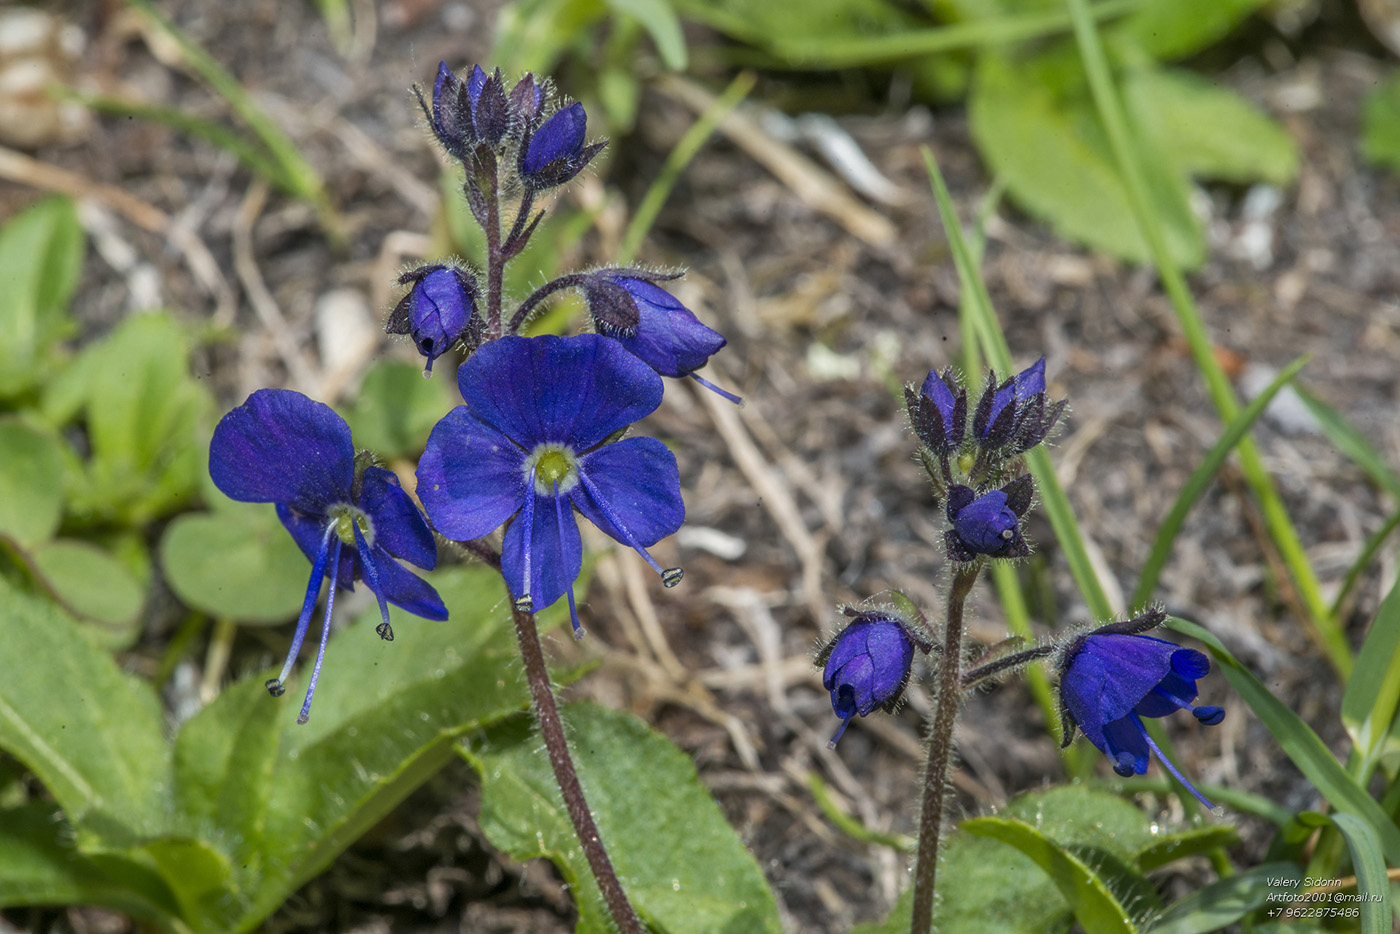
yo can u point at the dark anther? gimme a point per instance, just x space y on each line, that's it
672 576
274 687
386 632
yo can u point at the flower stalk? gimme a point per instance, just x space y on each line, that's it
940 750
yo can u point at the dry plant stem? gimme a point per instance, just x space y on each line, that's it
547 714
940 749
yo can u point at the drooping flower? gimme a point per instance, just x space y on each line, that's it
438 311
1114 676
628 306
867 664
1014 416
281 447
989 524
530 446
555 151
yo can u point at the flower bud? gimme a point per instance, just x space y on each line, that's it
555 151
438 311
867 664
989 524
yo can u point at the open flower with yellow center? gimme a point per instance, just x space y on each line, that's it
532 445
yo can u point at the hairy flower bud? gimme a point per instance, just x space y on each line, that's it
438 311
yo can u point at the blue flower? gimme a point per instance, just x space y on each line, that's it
1113 677
438 311
451 115
531 445
628 306
281 447
989 524
938 412
1013 417
555 151
867 665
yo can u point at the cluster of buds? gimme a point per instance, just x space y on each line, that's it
975 459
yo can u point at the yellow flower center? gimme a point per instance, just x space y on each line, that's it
554 464
346 518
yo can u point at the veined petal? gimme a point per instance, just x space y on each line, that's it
281 447
556 552
398 525
639 480
1112 673
571 390
403 588
470 476
668 337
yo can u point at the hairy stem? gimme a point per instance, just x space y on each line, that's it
547 714
552 728
950 692
495 255
572 280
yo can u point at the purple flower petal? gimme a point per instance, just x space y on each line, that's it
555 561
560 137
281 447
668 337
470 477
641 484
572 390
398 525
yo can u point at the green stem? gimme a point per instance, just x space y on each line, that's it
1323 627
940 752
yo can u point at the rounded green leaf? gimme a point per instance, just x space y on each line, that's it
89 581
31 484
235 563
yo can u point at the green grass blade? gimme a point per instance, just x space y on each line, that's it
1131 161
1052 496
251 155
1369 864
1227 900
849 825
1201 478
1352 443
1363 561
1373 690
1299 742
685 150
304 180
862 51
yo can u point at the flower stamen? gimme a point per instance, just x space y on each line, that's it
560 505
384 630
523 603
276 686
669 576
325 633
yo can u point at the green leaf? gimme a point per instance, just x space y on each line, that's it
659 20
1168 29
1372 884
1352 443
1380 124
89 731
397 408
1299 742
1228 900
1373 690
144 414
685 869
1184 843
39 866
1205 130
1195 486
1051 151
384 721
236 564
1077 879
90 582
31 483
41 257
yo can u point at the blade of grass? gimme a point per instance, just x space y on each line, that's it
1132 166
1363 561
305 180
860 51
1201 478
700 131
1352 443
993 342
849 825
1372 691
1369 865
1298 741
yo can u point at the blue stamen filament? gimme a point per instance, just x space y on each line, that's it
713 388
325 632
385 631
523 603
562 503
1167 764
831 743
276 686
669 576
